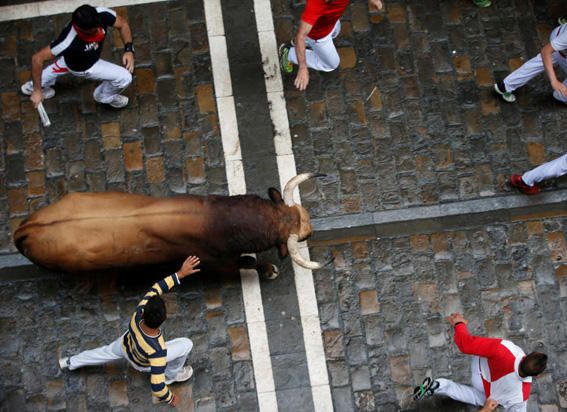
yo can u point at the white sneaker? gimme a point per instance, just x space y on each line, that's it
118 101
47 92
182 376
64 363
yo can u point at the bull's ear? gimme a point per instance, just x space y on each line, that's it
282 249
275 195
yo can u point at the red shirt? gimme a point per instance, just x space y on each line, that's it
323 16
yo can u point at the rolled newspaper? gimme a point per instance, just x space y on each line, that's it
43 115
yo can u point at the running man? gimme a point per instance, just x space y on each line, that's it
314 47
77 50
143 345
553 53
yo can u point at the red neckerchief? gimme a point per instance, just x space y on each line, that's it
90 38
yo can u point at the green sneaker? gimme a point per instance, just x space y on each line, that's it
482 3
501 90
285 64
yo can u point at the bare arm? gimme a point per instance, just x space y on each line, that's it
302 78
546 55
124 28
37 66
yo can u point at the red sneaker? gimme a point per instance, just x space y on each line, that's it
517 182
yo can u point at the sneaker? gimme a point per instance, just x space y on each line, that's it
482 3
517 182
182 376
501 90
47 92
64 363
426 389
118 101
285 64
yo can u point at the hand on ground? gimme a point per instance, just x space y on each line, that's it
376 5
302 79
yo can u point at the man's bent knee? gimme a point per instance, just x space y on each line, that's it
332 65
186 343
124 80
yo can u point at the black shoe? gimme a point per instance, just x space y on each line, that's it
426 389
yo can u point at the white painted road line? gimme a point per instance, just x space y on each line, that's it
308 310
51 7
251 294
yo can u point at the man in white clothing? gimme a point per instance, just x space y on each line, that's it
500 370
553 53
77 50
528 182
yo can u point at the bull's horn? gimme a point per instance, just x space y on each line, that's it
293 249
293 183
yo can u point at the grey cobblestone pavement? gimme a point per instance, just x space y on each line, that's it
383 307
409 119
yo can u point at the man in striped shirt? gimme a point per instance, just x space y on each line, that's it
143 344
77 50
500 370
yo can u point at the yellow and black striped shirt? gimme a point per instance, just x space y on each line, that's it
150 351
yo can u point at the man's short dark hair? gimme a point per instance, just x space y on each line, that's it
155 312
86 17
534 364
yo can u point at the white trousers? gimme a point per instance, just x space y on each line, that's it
473 395
322 54
177 352
114 77
555 168
533 67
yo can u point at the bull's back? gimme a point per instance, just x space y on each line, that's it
89 231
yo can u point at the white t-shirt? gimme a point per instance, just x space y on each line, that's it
558 38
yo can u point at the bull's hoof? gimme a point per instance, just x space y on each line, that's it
269 271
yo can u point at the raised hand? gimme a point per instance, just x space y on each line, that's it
189 267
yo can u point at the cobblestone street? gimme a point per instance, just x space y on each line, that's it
408 121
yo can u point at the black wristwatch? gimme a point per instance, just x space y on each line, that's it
129 47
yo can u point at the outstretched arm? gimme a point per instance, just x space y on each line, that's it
37 67
469 344
128 57
165 285
302 78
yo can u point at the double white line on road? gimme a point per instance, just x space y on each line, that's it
304 285
251 294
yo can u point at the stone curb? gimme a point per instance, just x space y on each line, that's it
438 217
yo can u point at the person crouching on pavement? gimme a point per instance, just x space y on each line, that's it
528 183
314 47
500 370
143 345
77 51
553 53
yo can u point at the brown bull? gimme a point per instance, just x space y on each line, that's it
94 231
